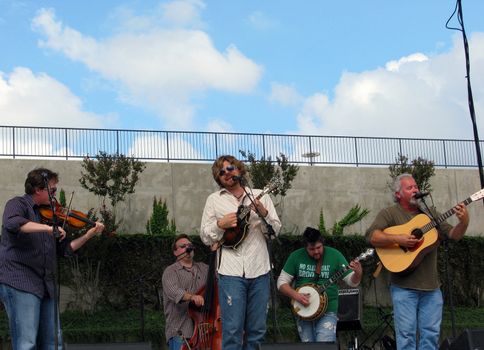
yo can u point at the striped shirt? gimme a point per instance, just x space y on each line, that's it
251 258
27 259
177 280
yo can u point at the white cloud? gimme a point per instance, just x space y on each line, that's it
218 125
183 12
160 69
154 146
394 66
27 99
261 21
284 94
415 96
178 13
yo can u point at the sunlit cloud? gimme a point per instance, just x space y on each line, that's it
158 69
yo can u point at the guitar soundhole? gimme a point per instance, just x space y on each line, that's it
417 233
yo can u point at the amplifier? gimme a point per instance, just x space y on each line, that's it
349 310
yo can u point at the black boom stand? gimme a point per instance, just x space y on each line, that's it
271 235
386 342
55 236
445 246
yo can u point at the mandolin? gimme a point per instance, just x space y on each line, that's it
233 237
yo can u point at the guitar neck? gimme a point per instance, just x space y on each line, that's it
440 219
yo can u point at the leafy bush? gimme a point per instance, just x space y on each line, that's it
420 168
265 170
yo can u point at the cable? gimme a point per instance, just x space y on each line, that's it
460 19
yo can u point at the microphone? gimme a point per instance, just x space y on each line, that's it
189 248
237 178
420 195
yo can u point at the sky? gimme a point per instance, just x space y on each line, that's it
376 68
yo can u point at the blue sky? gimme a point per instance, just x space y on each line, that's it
357 68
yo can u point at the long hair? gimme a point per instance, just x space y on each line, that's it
219 164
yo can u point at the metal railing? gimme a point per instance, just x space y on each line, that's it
72 143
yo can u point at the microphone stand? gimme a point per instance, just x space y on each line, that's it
55 236
445 245
271 234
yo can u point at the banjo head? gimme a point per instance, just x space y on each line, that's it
317 303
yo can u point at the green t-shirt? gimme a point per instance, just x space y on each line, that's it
302 267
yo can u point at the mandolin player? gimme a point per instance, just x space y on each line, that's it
314 265
243 272
416 295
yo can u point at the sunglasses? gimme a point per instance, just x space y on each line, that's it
228 169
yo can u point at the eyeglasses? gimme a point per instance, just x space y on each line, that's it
182 246
228 169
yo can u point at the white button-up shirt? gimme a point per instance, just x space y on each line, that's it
250 259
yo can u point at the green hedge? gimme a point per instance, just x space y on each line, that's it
131 266
130 273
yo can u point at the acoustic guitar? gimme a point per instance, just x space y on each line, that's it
233 237
400 259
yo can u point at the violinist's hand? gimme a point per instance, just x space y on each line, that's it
62 233
96 229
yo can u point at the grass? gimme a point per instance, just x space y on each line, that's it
126 326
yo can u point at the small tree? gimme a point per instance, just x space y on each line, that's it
110 176
421 169
264 170
354 215
322 223
158 224
62 198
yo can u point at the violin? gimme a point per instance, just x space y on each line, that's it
74 218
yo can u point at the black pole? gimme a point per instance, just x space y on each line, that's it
445 242
470 99
55 236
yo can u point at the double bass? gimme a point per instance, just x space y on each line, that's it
207 333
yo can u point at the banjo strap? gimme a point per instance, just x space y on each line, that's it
318 270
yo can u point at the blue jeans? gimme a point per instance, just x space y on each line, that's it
417 310
31 320
320 330
175 343
243 305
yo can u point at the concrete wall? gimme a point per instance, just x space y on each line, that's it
186 187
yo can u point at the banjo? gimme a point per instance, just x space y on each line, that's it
318 299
